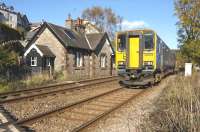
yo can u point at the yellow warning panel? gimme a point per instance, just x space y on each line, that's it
134 44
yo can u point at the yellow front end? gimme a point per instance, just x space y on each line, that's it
120 51
120 58
149 58
133 58
149 55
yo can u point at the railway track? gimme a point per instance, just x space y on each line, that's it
79 115
126 98
101 105
51 89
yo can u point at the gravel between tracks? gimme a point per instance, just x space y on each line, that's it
27 108
129 117
71 118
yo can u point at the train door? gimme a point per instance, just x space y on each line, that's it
133 52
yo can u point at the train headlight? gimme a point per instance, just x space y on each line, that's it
132 76
121 63
149 63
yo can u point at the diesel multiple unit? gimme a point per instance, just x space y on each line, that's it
142 57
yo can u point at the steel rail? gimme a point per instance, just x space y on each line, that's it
51 86
48 113
99 117
55 91
95 119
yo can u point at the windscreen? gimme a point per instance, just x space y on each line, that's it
149 41
121 42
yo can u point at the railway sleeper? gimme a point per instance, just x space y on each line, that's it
100 105
95 109
83 113
108 102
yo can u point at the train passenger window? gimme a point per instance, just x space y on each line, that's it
149 44
121 42
159 44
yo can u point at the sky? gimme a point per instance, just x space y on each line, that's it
154 14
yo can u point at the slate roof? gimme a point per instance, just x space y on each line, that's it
30 35
94 39
71 38
46 51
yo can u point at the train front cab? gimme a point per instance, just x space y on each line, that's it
140 58
120 53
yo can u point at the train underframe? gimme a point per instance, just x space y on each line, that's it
141 78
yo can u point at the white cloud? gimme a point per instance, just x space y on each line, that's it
126 25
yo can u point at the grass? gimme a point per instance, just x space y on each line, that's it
4 88
37 80
178 108
28 82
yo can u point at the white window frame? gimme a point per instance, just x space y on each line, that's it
33 61
79 59
103 61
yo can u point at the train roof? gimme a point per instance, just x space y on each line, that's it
143 30
136 30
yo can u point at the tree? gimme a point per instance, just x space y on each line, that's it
7 58
188 13
7 33
104 18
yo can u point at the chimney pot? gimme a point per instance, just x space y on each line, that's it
69 22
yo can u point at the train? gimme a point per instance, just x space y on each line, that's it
142 57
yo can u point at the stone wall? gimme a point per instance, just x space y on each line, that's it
100 72
48 39
65 58
74 72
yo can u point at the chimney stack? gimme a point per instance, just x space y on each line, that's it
79 26
79 21
69 22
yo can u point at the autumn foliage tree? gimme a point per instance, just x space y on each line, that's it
104 18
188 13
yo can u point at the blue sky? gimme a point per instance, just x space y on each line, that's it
154 14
